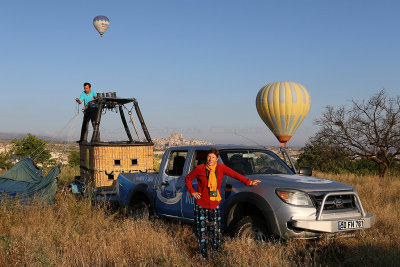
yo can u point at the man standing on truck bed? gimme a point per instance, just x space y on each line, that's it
207 218
90 112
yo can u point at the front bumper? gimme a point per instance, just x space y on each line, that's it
329 225
332 221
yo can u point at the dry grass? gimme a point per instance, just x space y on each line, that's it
73 232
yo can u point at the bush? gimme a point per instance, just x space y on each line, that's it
5 161
31 146
74 158
323 157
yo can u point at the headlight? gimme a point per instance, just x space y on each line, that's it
294 197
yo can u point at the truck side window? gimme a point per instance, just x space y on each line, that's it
176 162
200 157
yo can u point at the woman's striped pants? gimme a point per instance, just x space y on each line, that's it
207 223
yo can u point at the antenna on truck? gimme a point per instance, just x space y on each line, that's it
286 157
285 154
249 140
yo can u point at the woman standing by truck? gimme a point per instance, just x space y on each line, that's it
207 217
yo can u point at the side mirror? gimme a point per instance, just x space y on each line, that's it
306 171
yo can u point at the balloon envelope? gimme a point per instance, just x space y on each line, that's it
283 106
101 23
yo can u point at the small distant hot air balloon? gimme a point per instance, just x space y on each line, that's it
101 23
283 106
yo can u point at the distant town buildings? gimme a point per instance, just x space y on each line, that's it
161 144
60 150
4 147
176 140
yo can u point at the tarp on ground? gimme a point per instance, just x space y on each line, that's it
25 180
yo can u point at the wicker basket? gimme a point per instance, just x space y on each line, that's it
101 163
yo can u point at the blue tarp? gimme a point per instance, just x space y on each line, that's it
25 182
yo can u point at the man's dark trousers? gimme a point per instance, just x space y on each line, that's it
89 115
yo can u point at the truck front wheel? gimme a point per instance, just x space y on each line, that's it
251 228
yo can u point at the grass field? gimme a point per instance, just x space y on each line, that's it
74 232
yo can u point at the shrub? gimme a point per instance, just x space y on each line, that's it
31 146
5 161
74 158
325 158
333 159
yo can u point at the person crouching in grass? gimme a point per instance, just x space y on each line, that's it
207 218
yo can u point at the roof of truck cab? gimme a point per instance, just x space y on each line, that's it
219 147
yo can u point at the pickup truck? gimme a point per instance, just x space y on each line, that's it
286 204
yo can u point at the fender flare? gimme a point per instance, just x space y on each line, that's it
143 189
268 214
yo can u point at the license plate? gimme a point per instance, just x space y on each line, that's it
350 225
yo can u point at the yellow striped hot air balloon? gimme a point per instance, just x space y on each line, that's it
283 106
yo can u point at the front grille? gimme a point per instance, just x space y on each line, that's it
338 202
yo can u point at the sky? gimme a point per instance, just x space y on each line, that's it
195 67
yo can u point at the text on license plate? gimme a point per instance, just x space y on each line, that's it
350 224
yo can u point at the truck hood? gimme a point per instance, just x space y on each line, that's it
300 182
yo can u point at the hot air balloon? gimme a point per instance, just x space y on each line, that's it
101 24
283 106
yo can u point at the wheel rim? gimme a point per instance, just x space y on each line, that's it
139 211
259 235
253 233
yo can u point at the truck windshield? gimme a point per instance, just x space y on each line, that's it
248 162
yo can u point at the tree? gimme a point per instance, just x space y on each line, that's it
367 130
5 160
33 147
74 158
324 157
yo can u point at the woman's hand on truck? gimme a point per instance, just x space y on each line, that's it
196 195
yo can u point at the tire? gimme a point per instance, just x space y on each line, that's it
139 210
251 228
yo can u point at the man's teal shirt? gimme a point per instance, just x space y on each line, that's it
87 98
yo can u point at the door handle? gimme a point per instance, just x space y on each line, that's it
228 190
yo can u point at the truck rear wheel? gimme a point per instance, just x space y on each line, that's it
251 228
139 210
